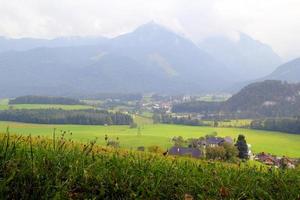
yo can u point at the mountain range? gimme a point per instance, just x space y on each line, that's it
248 58
152 58
289 71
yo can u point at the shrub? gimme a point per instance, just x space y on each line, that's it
155 149
216 153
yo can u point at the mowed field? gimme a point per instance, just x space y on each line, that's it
161 134
4 106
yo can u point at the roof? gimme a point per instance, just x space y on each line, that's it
181 151
214 140
267 158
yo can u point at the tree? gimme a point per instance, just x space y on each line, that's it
133 125
155 149
178 141
113 143
139 132
216 153
231 151
216 123
242 147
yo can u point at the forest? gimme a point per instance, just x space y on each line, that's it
288 125
59 116
31 99
169 119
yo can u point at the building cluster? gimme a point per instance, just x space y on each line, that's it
202 142
276 161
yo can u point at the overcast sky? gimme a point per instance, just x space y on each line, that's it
275 22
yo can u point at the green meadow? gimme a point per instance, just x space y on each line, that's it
161 134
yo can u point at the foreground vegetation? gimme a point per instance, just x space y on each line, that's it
39 168
160 134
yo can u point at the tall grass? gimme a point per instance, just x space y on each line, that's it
41 168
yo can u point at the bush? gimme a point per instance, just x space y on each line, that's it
216 153
133 125
155 149
231 151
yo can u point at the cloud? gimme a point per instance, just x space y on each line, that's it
271 21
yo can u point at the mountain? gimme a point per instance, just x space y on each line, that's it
287 72
23 44
248 58
178 58
149 59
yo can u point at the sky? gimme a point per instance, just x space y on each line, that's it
274 22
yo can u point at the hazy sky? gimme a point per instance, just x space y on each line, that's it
275 22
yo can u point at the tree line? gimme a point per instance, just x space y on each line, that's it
169 119
59 116
197 107
31 99
289 125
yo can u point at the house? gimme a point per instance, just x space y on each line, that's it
216 141
287 163
185 151
283 162
267 159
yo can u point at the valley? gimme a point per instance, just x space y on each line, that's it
159 134
159 100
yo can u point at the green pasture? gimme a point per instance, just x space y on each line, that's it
159 134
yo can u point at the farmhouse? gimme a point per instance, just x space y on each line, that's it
267 159
185 151
214 141
271 160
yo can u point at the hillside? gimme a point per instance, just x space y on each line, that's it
269 98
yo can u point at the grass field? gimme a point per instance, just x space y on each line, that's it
159 134
4 106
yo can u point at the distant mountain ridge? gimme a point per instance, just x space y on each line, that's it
24 44
149 59
246 57
152 58
289 71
